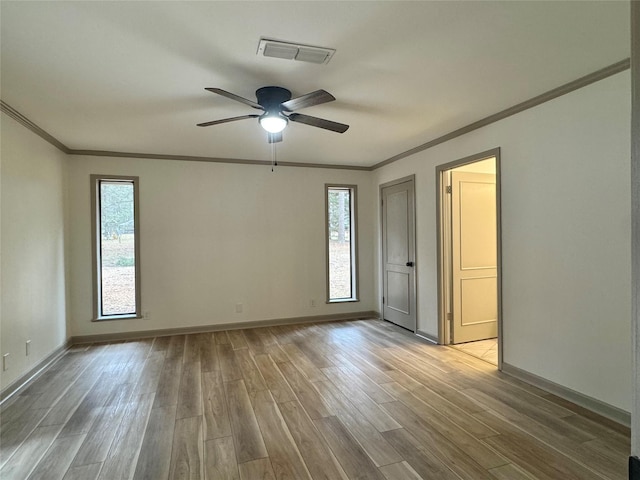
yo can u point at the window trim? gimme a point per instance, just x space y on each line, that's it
95 248
355 284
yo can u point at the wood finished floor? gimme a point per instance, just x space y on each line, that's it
343 400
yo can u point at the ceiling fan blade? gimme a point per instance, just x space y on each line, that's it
319 122
274 137
226 120
308 100
235 97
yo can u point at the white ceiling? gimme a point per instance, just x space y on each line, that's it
130 76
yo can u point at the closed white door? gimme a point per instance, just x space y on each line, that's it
398 254
474 256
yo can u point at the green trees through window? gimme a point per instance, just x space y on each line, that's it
115 247
341 268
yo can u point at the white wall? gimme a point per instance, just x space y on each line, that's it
32 245
565 235
213 235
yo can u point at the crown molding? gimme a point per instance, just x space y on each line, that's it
188 158
18 117
520 107
24 121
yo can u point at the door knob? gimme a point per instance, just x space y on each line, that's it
409 264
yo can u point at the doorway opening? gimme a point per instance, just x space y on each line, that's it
469 256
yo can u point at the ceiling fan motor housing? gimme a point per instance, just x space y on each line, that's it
277 104
270 98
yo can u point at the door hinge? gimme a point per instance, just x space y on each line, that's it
449 316
448 189
382 299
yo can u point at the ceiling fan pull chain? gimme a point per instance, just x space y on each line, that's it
273 156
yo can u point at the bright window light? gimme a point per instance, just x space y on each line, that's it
341 243
116 247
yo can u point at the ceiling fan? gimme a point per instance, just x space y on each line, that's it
278 108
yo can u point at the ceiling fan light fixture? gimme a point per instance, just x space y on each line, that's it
273 122
279 108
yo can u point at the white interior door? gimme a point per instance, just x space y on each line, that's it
474 256
398 254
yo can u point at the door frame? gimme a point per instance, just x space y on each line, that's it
443 327
414 286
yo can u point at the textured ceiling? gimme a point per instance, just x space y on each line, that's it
130 76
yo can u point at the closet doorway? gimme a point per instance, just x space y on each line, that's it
469 255
399 252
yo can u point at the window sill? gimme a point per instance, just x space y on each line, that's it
343 300
131 316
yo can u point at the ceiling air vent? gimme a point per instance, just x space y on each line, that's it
294 51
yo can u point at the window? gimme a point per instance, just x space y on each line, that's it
116 247
342 269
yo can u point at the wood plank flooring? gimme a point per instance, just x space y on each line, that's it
341 400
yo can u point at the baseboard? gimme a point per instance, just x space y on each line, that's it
111 337
15 386
427 336
601 408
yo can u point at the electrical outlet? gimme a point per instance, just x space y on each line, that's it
5 362
27 348
146 315
238 308
312 303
